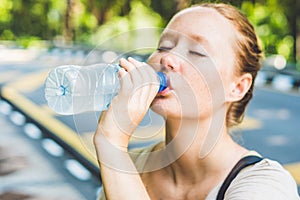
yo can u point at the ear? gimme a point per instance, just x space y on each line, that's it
239 88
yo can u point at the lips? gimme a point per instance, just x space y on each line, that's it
164 93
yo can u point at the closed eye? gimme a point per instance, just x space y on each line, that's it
164 48
197 53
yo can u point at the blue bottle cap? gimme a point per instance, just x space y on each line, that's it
162 80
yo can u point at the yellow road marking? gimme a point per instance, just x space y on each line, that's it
87 140
294 169
56 127
250 123
29 82
47 109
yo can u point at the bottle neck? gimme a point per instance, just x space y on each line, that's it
162 81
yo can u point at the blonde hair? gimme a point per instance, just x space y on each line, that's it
248 54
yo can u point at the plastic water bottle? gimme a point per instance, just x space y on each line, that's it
72 89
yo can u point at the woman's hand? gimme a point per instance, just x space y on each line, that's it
139 86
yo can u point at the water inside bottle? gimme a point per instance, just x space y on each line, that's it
75 89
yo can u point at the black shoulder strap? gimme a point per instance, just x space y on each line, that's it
244 162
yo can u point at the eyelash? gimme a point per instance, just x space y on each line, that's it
164 49
191 52
197 53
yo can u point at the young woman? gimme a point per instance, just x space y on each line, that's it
210 55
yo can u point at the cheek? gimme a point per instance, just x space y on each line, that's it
225 65
193 94
198 84
227 78
208 88
202 93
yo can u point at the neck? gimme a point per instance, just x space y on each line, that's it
202 151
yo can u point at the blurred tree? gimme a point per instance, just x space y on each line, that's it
68 32
90 14
56 17
5 19
26 20
30 19
139 16
273 25
277 22
292 10
99 9
166 8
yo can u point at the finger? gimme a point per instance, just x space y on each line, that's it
150 83
128 66
135 62
148 88
122 72
150 77
126 84
132 69
141 67
146 71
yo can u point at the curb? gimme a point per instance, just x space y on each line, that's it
51 141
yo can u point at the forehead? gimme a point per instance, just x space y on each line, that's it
202 23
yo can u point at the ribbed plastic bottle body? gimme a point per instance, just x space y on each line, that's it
72 89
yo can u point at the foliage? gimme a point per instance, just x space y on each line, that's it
93 21
271 25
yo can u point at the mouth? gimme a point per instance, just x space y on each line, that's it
164 93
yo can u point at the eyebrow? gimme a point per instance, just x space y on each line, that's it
200 39
197 38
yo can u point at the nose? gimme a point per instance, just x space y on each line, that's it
171 62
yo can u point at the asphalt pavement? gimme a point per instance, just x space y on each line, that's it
27 171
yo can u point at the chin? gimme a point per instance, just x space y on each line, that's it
174 112
158 108
166 110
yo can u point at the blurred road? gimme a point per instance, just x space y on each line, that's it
271 125
27 171
277 134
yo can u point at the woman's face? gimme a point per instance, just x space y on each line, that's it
195 51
